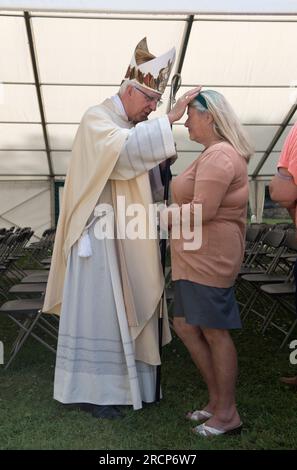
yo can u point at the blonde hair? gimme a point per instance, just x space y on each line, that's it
226 124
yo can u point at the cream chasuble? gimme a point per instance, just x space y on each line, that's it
108 341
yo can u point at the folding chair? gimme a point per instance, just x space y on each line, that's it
46 262
43 248
27 314
281 295
253 241
248 283
28 289
36 278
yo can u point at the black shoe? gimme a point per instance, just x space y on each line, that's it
88 407
106 412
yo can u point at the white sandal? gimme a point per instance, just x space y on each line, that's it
198 415
208 431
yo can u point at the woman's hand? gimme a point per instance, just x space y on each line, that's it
180 107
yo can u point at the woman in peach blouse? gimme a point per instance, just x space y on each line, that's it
205 307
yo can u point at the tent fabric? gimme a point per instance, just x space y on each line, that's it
245 51
155 6
25 204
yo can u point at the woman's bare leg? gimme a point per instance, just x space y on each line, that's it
224 361
199 350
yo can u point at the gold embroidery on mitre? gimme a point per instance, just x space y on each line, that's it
158 84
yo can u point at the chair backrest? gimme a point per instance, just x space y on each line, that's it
274 238
252 234
291 240
269 250
281 226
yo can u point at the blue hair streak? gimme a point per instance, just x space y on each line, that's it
201 100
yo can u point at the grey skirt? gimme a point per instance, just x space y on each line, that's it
205 306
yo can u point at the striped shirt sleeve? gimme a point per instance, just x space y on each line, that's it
147 145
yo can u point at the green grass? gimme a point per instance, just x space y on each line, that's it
277 221
31 419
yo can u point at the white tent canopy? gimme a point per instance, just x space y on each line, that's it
57 58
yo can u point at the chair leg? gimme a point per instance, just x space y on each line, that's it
47 331
269 316
24 337
22 332
50 326
249 305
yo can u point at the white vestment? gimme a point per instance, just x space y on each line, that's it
96 354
